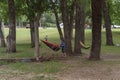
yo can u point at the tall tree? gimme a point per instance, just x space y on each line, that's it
31 15
11 38
67 26
32 32
96 29
54 7
35 9
36 25
77 48
82 19
3 10
79 25
71 16
2 35
20 11
107 20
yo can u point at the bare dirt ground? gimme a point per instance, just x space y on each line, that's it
106 69
80 69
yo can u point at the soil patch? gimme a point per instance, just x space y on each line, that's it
106 69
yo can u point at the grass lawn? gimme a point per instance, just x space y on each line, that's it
49 70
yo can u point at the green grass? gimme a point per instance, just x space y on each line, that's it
105 49
24 50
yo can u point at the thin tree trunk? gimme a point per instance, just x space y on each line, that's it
36 25
32 33
20 23
57 20
67 27
71 17
109 39
82 20
31 22
96 29
11 38
2 35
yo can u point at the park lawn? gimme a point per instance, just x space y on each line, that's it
24 50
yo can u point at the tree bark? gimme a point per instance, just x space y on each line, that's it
67 27
79 25
36 25
31 16
2 35
32 33
82 20
78 28
71 17
11 38
57 20
107 20
96 29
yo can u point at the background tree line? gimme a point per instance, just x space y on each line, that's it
48 18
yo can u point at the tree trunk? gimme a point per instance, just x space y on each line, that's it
79 26
11 38
96 29
71 17
109 39
31 22
77 48
36 25
32 33
20 23
57 20
67 27
82 20
2 35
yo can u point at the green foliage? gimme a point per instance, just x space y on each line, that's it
30 7
114 9
48 20
3 9
19 8
35 6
